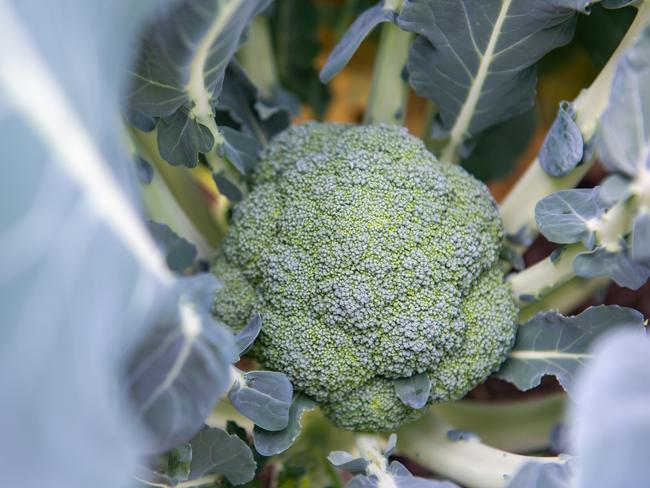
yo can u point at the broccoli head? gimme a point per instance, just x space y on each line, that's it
369 261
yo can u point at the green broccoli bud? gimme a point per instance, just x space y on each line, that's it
368 261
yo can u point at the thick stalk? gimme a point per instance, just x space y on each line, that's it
517 426
565 298
257 58
198 225
369 448
542 278
548 275
389 90
468 462
518 207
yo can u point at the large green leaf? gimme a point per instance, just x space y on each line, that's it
551 344
180 72
609 420
79 273
476 58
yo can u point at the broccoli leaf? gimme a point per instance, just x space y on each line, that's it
551 344
476 59
179 252
264 397
178 77
609 421
614 188
215 452
358 31
616 265
640 245
623 137
493 153
345 460
563 146
181 138
268 443
413 391
241 149
80 274
207 32
179 368
564 216
171 468
241 100
542 475
600 32
295 29
245 337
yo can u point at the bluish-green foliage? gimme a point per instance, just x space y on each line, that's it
368 261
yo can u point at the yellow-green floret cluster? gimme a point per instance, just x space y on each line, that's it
368 261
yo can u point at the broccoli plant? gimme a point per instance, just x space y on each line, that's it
325 244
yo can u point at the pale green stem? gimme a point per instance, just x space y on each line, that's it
467 462
540 279
549 274
389 91
565 298
516 426
204 480
257 57
369 448
518 208
202 97
197 224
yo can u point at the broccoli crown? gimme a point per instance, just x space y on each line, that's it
368 261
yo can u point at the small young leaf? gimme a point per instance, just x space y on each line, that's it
550 343
461 435
563 147
413 391
144 170
245 337
614 188
240 149
563 217
361 481
640 245
269 443
215 452
181 139
390 446
615 265
402 478
357 32
226 187
345 460
179 252
241 100
265 398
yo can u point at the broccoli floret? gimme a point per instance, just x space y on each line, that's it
368 261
